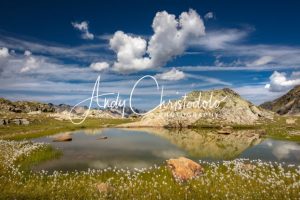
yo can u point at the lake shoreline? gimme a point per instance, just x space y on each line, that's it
228 178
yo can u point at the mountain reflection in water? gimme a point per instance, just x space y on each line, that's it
144 147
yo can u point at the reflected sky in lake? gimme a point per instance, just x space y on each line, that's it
138 148
274 150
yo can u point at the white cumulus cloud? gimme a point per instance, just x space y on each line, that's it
209 15
280 81
4 52
172 75
170 39
31 62
83 27
130 51
99 66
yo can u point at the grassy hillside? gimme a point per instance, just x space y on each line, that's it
41 125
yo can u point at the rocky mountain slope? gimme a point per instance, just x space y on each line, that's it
215 106
23 110
11 111
288 104
24 106
33 107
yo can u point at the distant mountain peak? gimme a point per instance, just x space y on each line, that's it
288 104
231 109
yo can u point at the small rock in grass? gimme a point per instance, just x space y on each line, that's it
290 121
17 121
24 121
248 167
104 187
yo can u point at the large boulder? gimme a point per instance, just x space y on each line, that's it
184 169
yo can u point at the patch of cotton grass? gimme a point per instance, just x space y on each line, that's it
235 179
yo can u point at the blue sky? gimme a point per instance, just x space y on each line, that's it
53 51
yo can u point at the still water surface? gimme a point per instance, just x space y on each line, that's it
138 148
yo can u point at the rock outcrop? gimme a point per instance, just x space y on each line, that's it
59 112
24 106
18 121
288 104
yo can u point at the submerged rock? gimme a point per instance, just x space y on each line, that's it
102 138
184 169
63 138
224 132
